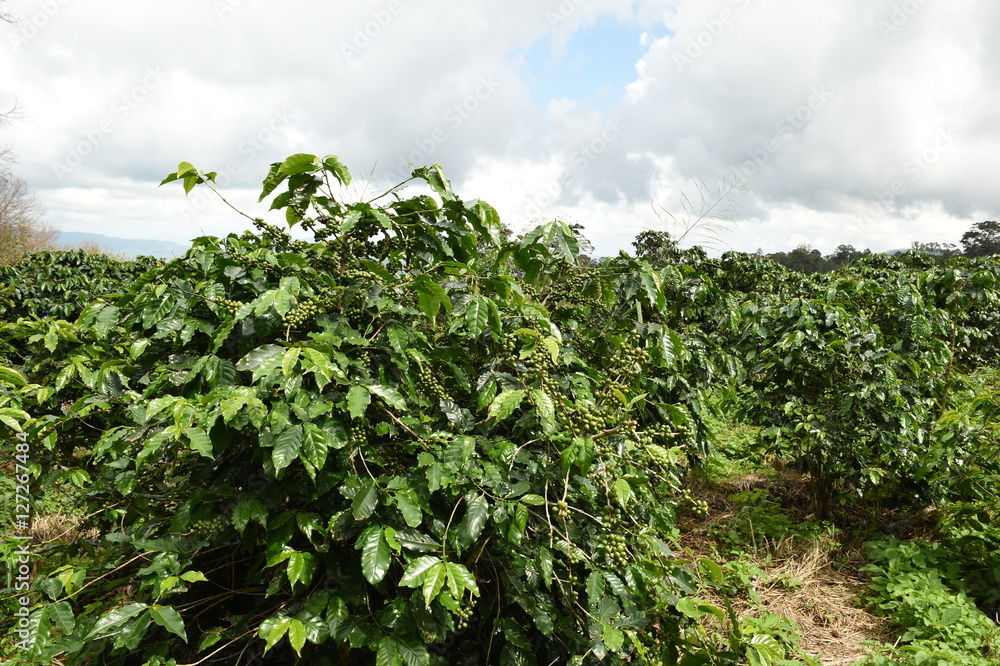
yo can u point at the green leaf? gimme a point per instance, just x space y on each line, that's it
262 361
504 404
315 446
256 411
434 580
168 618
300 568
461 579
515 531
365 501
417 570
115 618
11 376
62 613
200 441
398 338
474 521
613 638
290 361
358 399
624 493
286 448
388 653
477 316
296 635
299 163
193 577
552 345
546 561
247 510
545 406
350 221
273 630
430 296
595 588
407 503
580 453
333 164
375 554
390 395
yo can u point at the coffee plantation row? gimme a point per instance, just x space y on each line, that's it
415 439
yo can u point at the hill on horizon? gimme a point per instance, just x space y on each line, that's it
133 247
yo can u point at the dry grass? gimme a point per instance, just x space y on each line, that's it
800 581
824 606
58 527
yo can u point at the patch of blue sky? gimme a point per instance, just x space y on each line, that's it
593 67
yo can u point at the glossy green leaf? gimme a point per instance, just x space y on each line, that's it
358 399
375 554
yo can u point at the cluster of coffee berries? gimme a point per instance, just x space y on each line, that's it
572 583
272 233
357 433
614 546
631 356
464 614
699 508
352 275
562 509
230 305
430 384
353 311
586 419
306 310
507 343
569 290
540 360
208 527
253 262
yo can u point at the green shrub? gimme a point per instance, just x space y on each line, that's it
910 585
408 441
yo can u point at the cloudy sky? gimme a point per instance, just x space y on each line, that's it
863 122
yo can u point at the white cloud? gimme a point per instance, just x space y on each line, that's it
834 111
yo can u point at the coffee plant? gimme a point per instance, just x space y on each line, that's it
408 440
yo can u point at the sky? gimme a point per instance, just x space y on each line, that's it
775 123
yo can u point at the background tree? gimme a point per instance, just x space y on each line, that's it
656 247
845 254
982 240
938 250
803 258
21 228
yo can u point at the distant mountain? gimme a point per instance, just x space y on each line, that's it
130 246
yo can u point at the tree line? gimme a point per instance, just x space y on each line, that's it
981 240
